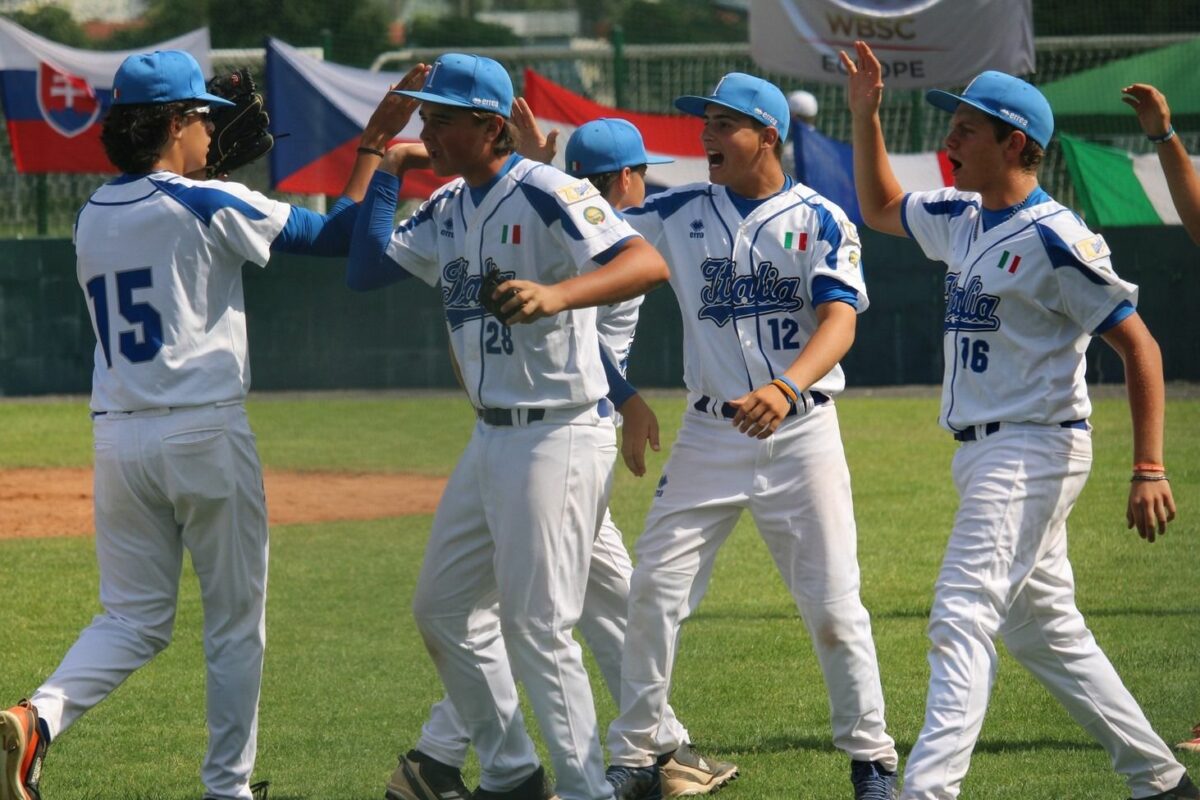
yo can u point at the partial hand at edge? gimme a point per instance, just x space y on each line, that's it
639 426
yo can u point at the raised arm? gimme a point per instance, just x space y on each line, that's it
879 193
1151 505
533 143
389 118
1154 115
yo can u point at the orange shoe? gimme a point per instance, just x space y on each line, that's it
22 747
1193 744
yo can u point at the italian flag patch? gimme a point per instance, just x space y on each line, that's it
513 231
795 241
1009 261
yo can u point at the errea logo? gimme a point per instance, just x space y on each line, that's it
768 117
697 226
483 101
1014 117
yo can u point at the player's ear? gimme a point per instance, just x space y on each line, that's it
770 137
1015 145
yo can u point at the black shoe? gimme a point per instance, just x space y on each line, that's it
1186 790
635 783
532 788
871 781
419 777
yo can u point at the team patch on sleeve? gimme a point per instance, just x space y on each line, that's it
577 192
850 231
1093 248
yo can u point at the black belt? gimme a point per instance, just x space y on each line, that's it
970 435
502 417
729 410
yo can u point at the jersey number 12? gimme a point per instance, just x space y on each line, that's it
144 315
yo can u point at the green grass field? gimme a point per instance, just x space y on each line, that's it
348 683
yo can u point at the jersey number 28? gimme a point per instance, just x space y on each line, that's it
144 315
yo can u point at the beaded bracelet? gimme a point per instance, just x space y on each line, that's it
1166 137
370 151
1149 478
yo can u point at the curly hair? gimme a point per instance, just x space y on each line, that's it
1031 155
134 135
509 138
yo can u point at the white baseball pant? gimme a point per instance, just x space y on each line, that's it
797 487
602 623
516 524
165 481
1006 574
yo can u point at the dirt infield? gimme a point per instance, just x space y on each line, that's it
58 502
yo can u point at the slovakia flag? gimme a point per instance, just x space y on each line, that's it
54 97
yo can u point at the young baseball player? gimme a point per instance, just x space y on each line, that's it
521 511
1154 115
610 154
1027 285
160 263
769 284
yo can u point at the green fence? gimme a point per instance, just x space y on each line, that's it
308 331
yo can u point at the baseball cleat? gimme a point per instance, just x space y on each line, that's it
23 748
686 773
419 777
635 783
871 781
1191 745
532 788
1186 790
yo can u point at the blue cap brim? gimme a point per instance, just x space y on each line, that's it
658 159
214 100
430 97
949 102
695 104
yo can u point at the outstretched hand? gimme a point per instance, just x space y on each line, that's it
1151 506
864 91
533 143
1153 113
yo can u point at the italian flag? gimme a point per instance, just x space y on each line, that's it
1009 262
795 241
1117 188
514 233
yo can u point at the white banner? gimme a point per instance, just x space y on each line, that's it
918 42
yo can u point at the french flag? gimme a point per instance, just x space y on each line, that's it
827 165
54 97
323 107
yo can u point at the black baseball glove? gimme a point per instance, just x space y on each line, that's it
240 133
488 286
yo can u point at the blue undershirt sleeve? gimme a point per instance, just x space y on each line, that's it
369 266
619 389
1123 310
831 290
310 233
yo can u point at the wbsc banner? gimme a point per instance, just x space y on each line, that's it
919 43
54 97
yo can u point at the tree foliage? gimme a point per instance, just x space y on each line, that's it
51 22
459 32
670 21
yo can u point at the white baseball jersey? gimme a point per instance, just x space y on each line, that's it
616 325
1006 358
156 253
538 224
745 285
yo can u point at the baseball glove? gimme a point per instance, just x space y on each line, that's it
240 133
487 287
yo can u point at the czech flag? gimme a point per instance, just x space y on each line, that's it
322 108
54 97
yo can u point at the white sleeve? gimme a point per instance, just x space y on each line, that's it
1088 288
930 217
837 252
414 242
589 223
243 220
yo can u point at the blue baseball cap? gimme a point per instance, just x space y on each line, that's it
1006 98
607 145
164 76
761 100
468 81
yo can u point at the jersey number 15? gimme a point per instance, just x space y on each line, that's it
141 315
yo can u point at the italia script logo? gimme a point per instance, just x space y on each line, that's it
968 308
728 296
460 291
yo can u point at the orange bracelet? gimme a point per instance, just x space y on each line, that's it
1149 468
786 390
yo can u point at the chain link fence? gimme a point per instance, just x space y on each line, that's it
651 76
